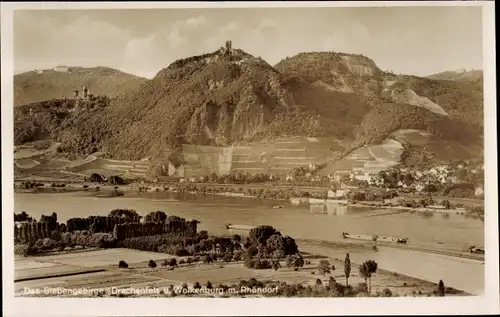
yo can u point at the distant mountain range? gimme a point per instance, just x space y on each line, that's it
230 97
471 75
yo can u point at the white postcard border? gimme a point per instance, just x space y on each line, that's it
488 303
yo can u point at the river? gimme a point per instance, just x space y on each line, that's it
453 232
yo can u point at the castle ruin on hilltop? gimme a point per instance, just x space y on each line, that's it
85 95
228 48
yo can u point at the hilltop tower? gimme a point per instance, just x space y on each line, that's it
85 92
227 49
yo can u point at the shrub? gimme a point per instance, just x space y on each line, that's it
324 267
172 262
55 235
249 262
387 292
318 282
152 264
262 264
227 257
21 249
207 259
441 288
122 264
362 288
237 256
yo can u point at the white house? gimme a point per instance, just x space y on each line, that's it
312 166
331 193
378 181
62 69
363 177
175 171
316 179
335 194
419 187
479 191
453 180
341 173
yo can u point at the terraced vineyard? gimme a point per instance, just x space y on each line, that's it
368 159
278 157
113 167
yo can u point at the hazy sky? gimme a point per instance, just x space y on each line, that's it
418 40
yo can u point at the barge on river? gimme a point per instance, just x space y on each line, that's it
374 238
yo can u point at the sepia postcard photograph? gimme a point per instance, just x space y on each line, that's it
158 158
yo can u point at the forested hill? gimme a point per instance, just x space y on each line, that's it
49 84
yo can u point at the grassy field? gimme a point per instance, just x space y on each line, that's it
139 275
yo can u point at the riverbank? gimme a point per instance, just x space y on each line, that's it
104 191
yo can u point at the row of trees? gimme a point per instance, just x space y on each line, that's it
23 216
262 193
30 230
111 180
78 231
370 196
103 224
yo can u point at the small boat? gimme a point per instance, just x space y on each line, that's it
474 249
402 241
279 206
238 227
